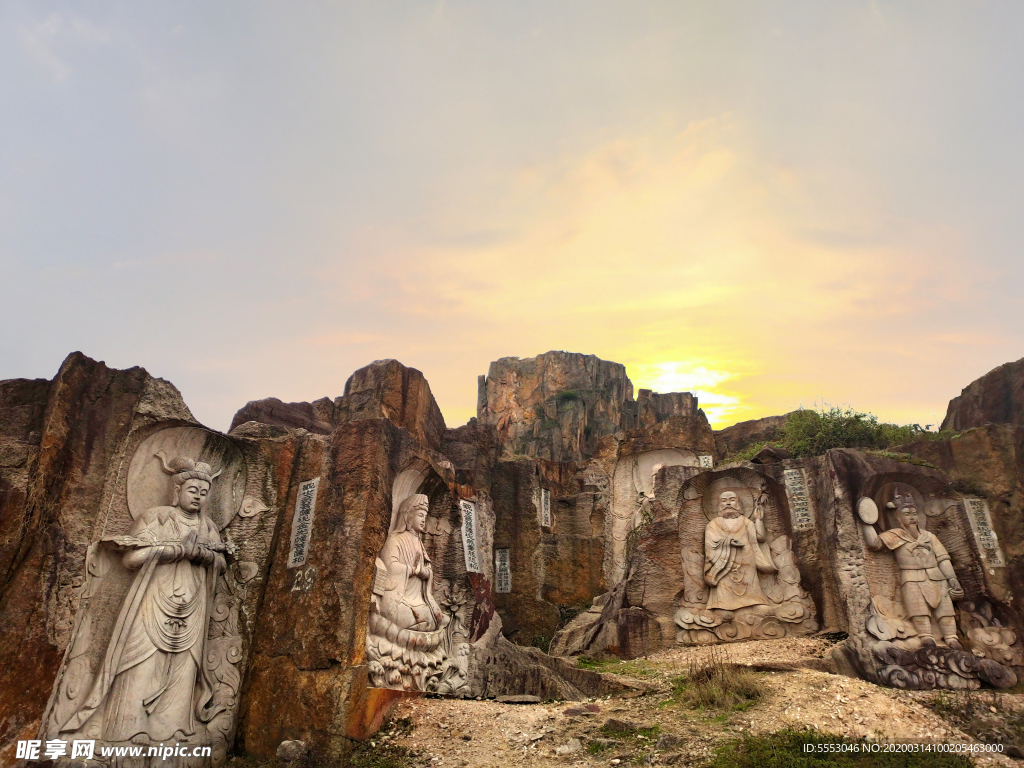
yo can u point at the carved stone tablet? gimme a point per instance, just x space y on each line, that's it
799 503
707 462
545 508
981 525
469 536
302 522
502 571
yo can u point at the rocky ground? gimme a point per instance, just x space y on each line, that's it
654 729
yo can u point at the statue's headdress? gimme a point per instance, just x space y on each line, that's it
182 468
415 500
901 501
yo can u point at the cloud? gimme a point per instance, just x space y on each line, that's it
684 256
45 42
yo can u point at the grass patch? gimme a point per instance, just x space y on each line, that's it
635 668
785 749
541 641
597 747
380 751
713 683
811 432
623 731
984 716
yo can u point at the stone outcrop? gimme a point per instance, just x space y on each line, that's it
385 389
353 551
316 417
302 498
995 398
559 405
734 439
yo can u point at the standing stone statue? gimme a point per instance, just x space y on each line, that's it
733 555
153 684
405 626
928 583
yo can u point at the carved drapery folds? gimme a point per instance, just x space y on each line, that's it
912 639
156 642
740 578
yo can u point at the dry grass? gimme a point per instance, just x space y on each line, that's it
713 682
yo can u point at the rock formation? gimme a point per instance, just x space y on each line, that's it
290 580
995 398
557 406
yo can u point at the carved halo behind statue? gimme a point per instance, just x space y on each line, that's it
141 666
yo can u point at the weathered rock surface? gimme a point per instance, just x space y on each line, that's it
61 441
316 417
734 439
995 398
557 406
385 389
601 507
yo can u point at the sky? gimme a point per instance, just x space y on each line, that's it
771 204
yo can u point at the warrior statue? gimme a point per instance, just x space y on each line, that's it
928 583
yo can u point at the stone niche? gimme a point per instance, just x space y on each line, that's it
422 608
157 650
741 579
928 618
632 498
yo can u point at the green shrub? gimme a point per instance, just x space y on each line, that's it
809 432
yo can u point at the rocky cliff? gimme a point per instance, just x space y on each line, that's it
559 405
995 398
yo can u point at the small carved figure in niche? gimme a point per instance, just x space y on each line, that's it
928 583
153 683
734 554
405 627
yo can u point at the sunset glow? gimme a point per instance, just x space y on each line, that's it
770 206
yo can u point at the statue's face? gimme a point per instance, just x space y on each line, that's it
192 495
907 517
729 505
418 518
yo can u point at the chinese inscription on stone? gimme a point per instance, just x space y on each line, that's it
302 523
545 507
502 571
799 503
707 462
981 524
469 537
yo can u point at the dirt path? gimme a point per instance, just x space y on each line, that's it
474 734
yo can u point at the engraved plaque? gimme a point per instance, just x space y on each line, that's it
799 502
302 523
469 536
981 524
545 508
707 462
502 571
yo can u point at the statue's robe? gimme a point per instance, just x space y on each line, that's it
732 558
404 637
924 587
408 600
153 681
